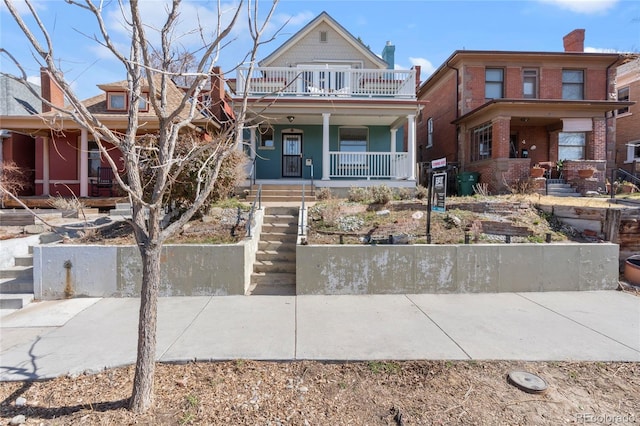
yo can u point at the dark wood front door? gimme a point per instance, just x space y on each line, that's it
291 155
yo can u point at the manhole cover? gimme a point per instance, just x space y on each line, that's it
527 382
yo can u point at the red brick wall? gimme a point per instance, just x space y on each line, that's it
513 83
496 172
441 106
473 88
551 83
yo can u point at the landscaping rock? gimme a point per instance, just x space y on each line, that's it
34 229
20 419
21 401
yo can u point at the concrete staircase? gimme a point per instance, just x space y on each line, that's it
282 193
16 283
274 270
559 188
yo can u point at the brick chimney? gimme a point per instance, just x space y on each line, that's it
574 41
50 90
418 69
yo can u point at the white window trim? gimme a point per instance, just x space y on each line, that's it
429 132
631 147
110 95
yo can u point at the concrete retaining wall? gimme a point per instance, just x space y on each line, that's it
116 271
388 269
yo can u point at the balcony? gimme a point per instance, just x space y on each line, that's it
368 165
327 81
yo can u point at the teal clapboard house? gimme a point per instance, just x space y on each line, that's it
324 107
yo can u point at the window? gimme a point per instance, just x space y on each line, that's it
143 104
266 138
117 101
354 142
572 84
623 95
429 132
494 79
481 142
633 151
94 159
571 145
530 83
323 37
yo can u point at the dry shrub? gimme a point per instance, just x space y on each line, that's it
421 192
358 194
523 186
13 179
61 203
381 194
405 193
324 194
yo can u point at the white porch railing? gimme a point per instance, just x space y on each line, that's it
367 165
330 81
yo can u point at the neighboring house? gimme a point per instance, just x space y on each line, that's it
67 160
323 106
627 154
499 113
16 99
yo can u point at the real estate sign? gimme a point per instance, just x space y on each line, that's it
439 182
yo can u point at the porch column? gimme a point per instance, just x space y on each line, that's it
325 145
84 163
392 150
45 165
411 145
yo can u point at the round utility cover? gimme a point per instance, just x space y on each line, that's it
527 382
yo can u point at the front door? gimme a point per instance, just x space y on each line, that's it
291 155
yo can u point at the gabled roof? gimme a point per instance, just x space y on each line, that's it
16 99
320 19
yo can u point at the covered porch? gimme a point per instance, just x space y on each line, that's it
333 143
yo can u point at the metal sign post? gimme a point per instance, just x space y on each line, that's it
440 193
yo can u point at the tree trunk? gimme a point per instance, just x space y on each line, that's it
142 395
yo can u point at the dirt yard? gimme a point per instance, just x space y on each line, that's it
355 393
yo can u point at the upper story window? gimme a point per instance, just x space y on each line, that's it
572 84
323 37
493 83
429 132
623 95
118 101
530 83
481 142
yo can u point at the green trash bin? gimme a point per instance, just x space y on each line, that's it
466 180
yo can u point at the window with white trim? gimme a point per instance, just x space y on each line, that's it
354 143
633 151
530 83
571 145
430 132
266 138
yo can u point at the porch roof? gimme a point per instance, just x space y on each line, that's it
540 109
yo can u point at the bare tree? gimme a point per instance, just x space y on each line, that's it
158 151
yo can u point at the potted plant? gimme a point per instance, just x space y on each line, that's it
586 172
627 187
537 171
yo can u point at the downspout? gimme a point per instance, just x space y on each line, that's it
460 144
609 161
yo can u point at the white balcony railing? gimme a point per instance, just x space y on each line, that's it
330 81
368 165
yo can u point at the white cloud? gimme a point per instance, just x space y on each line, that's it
34 79
586 7
600 50
21 6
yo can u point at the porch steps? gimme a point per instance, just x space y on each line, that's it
282 193
559 188
16 284
274 270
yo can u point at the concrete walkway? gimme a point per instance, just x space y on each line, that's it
53 338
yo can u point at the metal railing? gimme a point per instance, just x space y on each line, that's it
330 81
252 211
303 209
369 165
622 175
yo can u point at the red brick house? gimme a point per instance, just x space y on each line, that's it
67 160
499 113
627 153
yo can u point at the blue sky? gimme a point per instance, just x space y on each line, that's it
424 32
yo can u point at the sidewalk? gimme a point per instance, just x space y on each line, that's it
53 338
